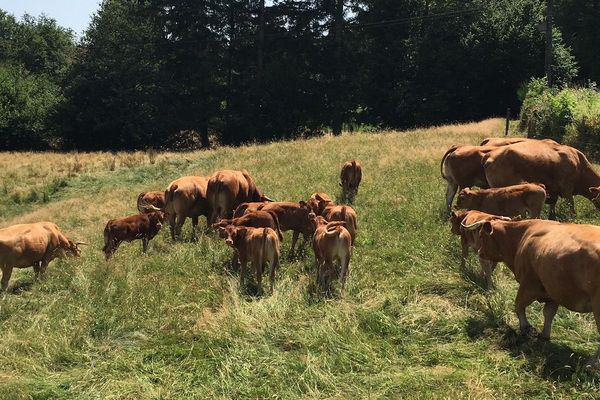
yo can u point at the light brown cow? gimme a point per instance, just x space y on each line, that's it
462 167
253 219
324 196
248 207
468 238
186 197
227 189
508 141
260 245
557 264
128 229
155 199
350 178
508 201
33 245
292 217
332 212
563 170
331 243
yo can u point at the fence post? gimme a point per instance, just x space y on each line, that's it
507 122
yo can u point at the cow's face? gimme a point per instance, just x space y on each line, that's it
233 234
69 249
487 243
157 219
464 198
595 191
456 218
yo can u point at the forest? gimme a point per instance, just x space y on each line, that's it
188 74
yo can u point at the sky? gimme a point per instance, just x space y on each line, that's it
74 14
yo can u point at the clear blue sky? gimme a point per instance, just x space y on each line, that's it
74 14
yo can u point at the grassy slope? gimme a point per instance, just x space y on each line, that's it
172 324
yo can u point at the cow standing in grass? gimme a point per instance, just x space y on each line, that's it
186 198
142 227
331 212
155 199
510 201
350 178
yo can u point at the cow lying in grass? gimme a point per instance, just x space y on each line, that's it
259 245
139 226
510 201
33 245
331 243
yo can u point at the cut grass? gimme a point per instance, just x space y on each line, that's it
173 323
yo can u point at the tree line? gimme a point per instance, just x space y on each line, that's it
166 74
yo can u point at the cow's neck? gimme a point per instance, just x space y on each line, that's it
588 178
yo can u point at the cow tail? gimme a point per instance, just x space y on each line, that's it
169 193
277 226
450 150
263 248
343 213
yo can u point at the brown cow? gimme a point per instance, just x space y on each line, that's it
350 178
260 245
331 242
462 167
186 197
508 201
322 195
227 189
33 245
128 229
508 141
563 170
253 219
248 207
557 264
156 199
332 212
468 238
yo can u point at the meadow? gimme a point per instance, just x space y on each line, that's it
173 324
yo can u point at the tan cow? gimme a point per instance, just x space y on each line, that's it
248 207
139 226
331 243
186 197
33 245
556 264
563 170
260 246
507 201
468 238
227 189
350 178
156 199
332 212
253 219
324 196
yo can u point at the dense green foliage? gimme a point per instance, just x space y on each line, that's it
568 115
238 71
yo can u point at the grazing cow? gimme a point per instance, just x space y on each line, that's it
332 212
155 199
508 201
462 167
227 189
128 229
331 242
186 197
260 245
557 264
563 170
350 178
468 238
509 141
253 219
33 245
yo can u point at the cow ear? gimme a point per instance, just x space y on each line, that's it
487 228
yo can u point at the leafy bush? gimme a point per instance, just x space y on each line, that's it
569 115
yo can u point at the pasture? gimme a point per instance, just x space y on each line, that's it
173 323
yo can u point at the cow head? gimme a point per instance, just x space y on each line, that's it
595 191
456 218
157 218
68 249
220 225
488 244
232 234
465 198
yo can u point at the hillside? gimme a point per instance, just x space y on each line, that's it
173 324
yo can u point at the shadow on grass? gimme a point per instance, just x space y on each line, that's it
21 286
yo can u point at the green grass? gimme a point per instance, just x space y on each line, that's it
173 323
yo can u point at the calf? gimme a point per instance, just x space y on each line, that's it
508 201
248 207
155 199
468 238
332 212
324 196
128 229
331 243
350 178
260 245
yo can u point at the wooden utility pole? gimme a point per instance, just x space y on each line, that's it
549 50
336 123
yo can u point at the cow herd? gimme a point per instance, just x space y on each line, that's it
248 221
554 263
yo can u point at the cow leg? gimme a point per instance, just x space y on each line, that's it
344 261
594 361
465 252
179 225
552 199
37 270
526 295
571 206
172 225
242 272
258 267
274 266
550 309
451 190
294 240
144 244
487 268
194 225
6 273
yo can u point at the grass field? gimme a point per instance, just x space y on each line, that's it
173 324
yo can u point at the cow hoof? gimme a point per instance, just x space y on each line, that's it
530 332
